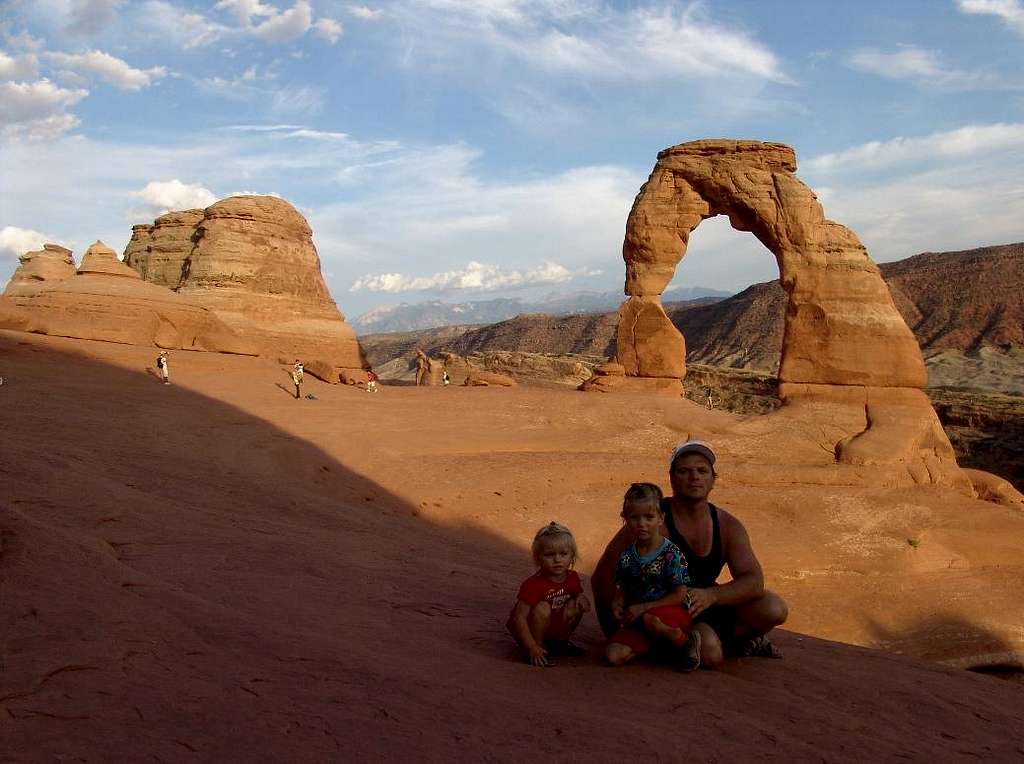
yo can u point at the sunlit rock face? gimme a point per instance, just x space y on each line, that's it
108 301
842 327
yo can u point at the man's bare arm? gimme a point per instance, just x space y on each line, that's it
747 577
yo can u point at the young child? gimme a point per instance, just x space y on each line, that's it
650 583
551 602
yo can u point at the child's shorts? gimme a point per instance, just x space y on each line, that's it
636 638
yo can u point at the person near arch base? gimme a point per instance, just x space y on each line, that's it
733 618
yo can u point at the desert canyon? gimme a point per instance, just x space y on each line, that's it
214 570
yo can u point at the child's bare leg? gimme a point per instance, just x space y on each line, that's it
654 625
562 625
539 621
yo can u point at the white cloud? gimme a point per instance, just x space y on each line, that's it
20 67
961 142
1010 11
908 62
951 190
287 25
328 29
36 110
245 10
166 21
115 71
92 16
475 276
15 241
283 100
596 39
365 13
166 196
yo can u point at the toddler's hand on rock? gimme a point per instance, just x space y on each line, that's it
538 656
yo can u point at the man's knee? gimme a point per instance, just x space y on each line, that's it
773 609
617 653
711 653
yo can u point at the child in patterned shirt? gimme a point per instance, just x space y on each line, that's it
650 587
551 602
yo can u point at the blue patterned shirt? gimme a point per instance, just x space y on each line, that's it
646 579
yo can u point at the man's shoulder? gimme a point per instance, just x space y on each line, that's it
731 527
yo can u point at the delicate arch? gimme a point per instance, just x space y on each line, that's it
841 325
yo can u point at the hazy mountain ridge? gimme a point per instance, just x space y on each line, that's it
429 315
956 303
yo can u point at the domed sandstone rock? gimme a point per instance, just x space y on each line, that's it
252 259
41 269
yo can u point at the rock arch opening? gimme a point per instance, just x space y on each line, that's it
741 330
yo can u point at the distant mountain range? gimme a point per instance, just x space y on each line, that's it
962 306
428 315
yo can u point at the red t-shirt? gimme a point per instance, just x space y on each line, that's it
538 589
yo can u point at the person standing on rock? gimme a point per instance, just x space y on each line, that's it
732 618
422 366
163 367
297 372
709 401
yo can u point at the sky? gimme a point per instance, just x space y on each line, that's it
463 150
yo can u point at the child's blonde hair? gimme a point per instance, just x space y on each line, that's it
554 531
641 493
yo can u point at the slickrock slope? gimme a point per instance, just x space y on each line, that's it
41 270
252 259
222 573
106 300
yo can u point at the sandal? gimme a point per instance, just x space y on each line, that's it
760 647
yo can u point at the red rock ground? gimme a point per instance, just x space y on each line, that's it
214 571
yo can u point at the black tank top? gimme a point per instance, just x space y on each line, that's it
701 571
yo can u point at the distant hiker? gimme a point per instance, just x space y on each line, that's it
371 381
422 366
732 618
445 379
297 372
650 588
163 367
707 395
551 602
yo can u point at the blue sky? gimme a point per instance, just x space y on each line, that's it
464 150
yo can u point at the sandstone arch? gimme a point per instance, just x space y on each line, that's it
842 327
845 344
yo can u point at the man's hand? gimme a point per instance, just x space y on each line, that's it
633 612
618 612
700 600
583 603
538 656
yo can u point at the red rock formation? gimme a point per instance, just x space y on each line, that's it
41 270
252 259
842 327
108 301
845 345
